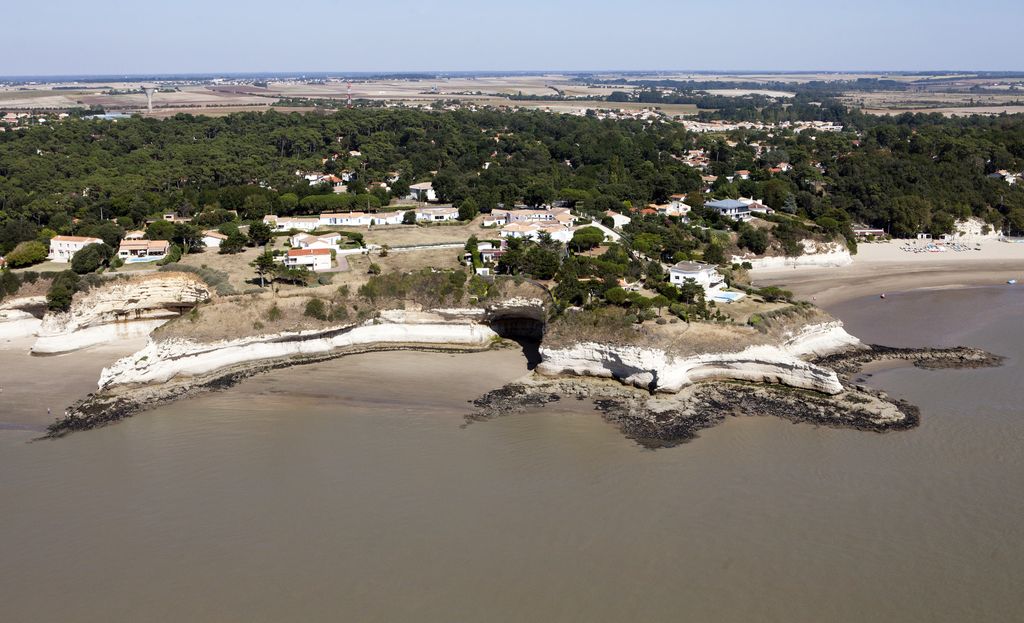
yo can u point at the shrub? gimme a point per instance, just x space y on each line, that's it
274 313
425 286
216 279
62 290
339 312
374 269
773 293
315 308
9 283
753 239
173 255
27 254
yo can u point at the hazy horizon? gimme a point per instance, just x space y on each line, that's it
103 38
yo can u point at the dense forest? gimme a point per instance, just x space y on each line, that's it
906 174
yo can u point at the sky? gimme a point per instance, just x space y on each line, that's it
73 37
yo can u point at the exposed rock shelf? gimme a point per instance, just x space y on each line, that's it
660 371
659 419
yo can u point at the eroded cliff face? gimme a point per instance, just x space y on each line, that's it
120 309
17 319
657 370
815 255
162 361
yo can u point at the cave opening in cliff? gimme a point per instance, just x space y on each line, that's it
525 331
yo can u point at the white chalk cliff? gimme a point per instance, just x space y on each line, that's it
658 370
15 319
162 361
815 255
118 310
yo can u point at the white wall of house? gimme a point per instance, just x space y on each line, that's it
316 263
437 214
708 277
62 250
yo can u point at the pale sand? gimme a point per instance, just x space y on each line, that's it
882 267
31 384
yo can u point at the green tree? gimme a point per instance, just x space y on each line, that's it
256 207
409 218
264 265
586 238
468 209
234 244
160 230
713 254
259 234
109 233
91 257
538 194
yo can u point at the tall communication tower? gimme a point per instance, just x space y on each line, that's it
149 90
349 95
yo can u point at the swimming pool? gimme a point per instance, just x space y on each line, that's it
727 297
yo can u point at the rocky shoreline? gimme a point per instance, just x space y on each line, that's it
656 420
652 418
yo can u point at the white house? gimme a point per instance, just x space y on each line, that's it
557 215
704 274
494 219
532 231
132 251
731 208
756 206
424 191
1006 176
361 219
212 238
313 259
437 214
677 206
288 223
309 241
62 248
618 220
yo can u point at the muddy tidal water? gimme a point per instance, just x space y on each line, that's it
353 491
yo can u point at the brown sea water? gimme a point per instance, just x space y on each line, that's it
352 490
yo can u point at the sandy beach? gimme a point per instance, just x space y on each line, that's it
32 384
884 267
